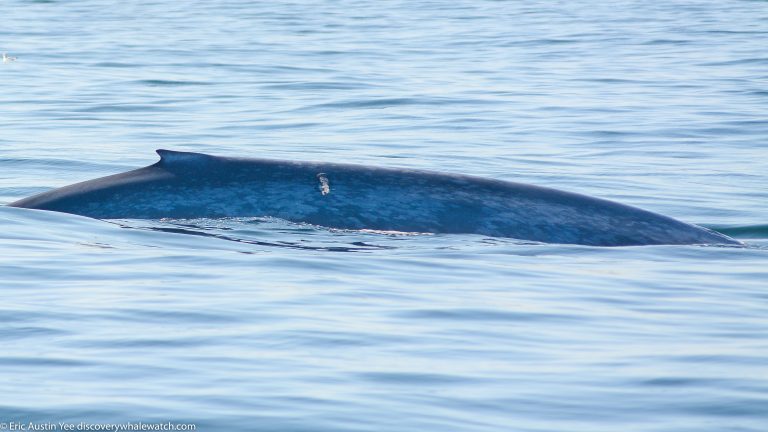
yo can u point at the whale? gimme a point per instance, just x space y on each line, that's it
187 185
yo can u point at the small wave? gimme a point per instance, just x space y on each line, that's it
320 85
112 64
667 42
396 102
125 107
737 62
202 229
170 83
744 232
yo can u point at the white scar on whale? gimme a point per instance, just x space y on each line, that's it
195 185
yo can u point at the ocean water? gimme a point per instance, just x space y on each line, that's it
260 324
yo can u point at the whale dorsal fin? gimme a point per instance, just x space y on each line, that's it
174 157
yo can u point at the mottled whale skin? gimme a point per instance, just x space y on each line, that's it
194 185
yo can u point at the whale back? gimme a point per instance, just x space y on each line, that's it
196 185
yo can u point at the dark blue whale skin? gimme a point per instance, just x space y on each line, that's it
194 185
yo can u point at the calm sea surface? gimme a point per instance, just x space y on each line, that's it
264 325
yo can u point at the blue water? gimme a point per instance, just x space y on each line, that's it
263 325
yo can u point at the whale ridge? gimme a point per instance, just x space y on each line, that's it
173 157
